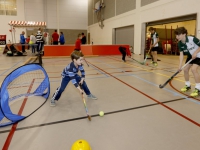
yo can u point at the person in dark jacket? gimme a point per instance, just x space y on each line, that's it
83 40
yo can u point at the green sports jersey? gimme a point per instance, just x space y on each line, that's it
190 46
154 38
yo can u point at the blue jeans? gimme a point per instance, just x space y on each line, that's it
64 82
33 48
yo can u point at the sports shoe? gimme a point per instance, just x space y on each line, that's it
152 62
195 93
25 52
185 88
155 64
92 96
52 103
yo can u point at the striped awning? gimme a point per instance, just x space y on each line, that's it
27 24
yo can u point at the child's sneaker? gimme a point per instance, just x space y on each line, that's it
52 103
195 93
92 96
185 88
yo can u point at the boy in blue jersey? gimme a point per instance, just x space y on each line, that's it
70 72
190 46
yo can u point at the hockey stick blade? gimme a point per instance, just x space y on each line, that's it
89 118
162 86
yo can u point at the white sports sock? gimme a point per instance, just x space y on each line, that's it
197 86
187 83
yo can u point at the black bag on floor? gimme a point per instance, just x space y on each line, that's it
9 53
14 51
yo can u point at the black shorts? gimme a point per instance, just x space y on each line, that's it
77 49
155 49
195 61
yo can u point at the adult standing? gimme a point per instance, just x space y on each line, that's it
78 43
55 37
62 38
39 40
32 42
83 40
23 41
27 41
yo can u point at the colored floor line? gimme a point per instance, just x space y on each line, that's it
155 72
176 112
170 83
178 94
14 126
10 68
96 115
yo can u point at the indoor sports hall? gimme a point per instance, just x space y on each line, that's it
140 103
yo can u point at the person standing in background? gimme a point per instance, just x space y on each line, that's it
55 37
32 42
78 43
23 41
154 44
27 41
45 37
39 40
83 40
62 38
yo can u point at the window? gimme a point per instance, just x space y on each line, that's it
8 7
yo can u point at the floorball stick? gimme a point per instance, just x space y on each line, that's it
162 86
86 109
146 56
138 61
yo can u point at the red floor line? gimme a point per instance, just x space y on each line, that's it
192 121
182 92
14 126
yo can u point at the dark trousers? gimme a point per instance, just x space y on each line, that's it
39 46
33 48
55 42
23 48
64 82
123 54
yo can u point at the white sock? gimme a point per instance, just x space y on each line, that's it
197 86
187 83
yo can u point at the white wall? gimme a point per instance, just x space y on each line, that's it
34 10
162 9
73 14
4 29
59 14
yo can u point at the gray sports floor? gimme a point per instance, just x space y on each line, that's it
138 114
